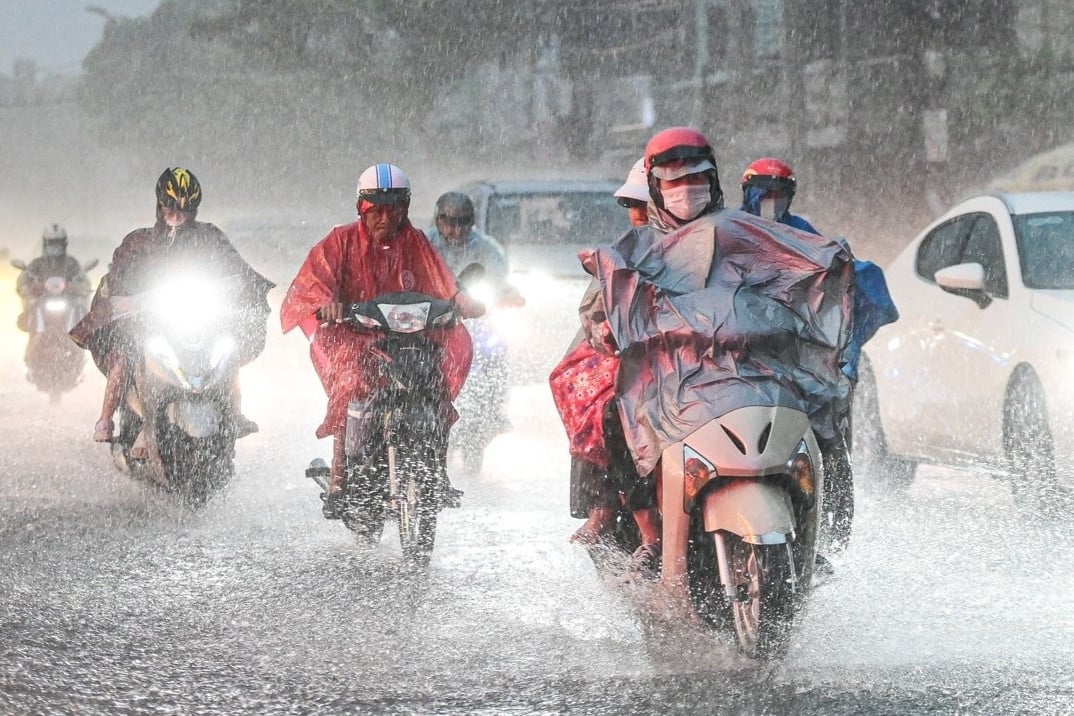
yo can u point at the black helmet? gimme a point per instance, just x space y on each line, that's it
54 241
179 190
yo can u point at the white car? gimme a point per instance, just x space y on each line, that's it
978 371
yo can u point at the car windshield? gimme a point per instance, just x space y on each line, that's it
573 217
1046 249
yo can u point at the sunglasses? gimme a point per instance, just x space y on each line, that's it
460 221
630 203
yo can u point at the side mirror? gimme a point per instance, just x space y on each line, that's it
19 264
89 265
967 280
471 275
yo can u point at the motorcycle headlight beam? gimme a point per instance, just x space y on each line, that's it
162 351
55 305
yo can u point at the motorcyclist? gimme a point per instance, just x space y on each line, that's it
460 243
682 185
380 253
53 261
768 188
145 256
603 495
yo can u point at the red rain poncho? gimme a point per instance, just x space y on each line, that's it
347 266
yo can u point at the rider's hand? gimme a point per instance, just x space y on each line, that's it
330 313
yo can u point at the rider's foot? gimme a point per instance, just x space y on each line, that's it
452 496
332 509
102 431
646 560
243 426
822 566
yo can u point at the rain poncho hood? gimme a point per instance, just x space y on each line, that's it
728 311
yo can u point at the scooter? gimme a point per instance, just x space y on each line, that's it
53 361
740 501
176 427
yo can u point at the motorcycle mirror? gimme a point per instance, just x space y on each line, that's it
19 264
89 265
471 275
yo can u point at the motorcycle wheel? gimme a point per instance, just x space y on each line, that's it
199 468
416 509
765 607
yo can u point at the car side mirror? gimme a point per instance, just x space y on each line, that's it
89 265
966 280
19 264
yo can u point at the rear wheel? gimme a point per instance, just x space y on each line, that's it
1029 445
764 610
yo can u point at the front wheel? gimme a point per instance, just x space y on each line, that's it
416 505
1029 445
763 611
884 471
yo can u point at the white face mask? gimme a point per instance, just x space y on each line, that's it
774 209
687 201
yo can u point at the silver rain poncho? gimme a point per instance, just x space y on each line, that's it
728 311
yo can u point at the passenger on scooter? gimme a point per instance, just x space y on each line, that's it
53 261
380 253
594 485
768 187
683 184
144 257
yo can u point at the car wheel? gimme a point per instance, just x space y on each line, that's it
1028 443
872 462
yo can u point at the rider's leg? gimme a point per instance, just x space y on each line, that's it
242 424
115 384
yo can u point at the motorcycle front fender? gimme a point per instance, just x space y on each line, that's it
196 418
758 512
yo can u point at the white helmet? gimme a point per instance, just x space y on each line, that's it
384 184
636 187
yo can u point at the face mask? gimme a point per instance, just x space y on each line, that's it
774 209
687 201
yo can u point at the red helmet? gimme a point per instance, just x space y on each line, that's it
770 174
690 147
677 143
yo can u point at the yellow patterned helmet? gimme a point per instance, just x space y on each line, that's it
179 190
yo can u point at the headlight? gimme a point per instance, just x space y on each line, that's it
188 303
484 292
56 305
160 349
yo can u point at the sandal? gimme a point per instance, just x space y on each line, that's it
587 536
102 431
646 560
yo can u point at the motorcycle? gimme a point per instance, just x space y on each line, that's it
740 501
483 401
396 441
54 362
176 426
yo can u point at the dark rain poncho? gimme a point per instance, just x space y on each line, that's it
728 311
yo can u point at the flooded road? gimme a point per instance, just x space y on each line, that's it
113 600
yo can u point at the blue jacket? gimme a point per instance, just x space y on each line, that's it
872 308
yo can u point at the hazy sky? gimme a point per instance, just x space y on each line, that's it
57 34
